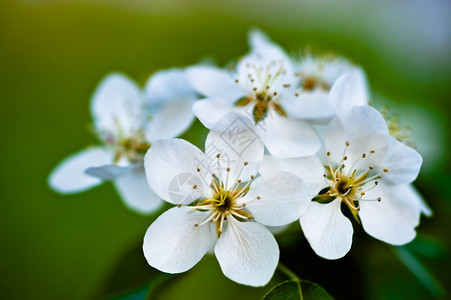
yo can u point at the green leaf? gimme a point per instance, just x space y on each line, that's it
291 290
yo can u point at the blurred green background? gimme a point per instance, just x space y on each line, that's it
88 246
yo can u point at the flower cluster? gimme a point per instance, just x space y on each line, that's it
290 139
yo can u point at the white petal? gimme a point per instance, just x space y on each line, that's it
286 137
210 111
214 82
358 122
235 139
108 172
261 44
117 101
310 169
424 207
136 193
166 86
402 162
171 170
327 230
350 89
247 253
69 176
394 218
310 105
173 244
282 198
171 120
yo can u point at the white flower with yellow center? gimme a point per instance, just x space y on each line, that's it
365 170
323 82
127 121
222 204
264 80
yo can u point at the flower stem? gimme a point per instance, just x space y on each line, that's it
284 269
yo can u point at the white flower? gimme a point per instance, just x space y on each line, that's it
324 80
127 121
263 82
233 204
366 170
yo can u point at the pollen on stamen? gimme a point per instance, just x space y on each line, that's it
195 186
345 158
370 167
296 94
275 93
343 166
236 80
218 155
347 144
286 85
358 208
252 79
376 182
254 89
179 205
196 224
239 180
324 175
372 151
385 170
362 193
228 169
246 163
363 155
267 87
328 153
379 176
198 169
379 199
258 198
252 176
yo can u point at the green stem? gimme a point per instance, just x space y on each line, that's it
284 269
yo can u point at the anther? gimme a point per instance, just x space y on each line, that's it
363 155
345 158
372 151
258 198
376 182
347 144
370 167
287 85
385 170
252 176
328 153
254 89
218 155
267 87
296 94
246 163
228 169
343 166
324 175
239 180
358 208
252 79
179 205
379 199
198 169
379 176
194 186
362 193
213 175
275 93
236 80
195 225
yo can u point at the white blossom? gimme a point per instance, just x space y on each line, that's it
222 203
127 121
369 172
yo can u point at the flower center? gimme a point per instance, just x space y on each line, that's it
132 148
263 82
349 184
224 200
